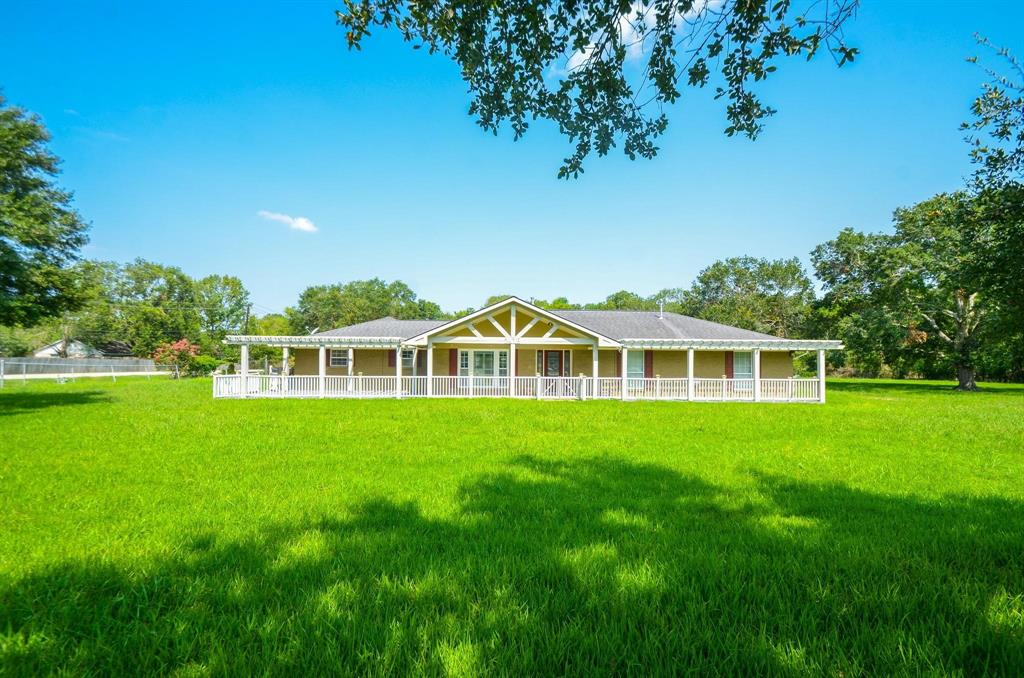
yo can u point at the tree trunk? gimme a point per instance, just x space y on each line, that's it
965 375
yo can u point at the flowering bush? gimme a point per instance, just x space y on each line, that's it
181 354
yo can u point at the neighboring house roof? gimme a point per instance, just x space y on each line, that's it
76 349
384 327
620 325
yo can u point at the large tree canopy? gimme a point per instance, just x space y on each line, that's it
773 297
602 70
324 307
922 279
40 234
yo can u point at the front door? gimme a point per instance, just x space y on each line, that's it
552 363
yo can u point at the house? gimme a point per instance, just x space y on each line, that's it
79 349
515 349
75 349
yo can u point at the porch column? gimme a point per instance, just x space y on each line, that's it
415 355
512 360
243 370
322 361
430 367
398 371
594 369
284 369
351 366
625 371
821 375
689 374
757 375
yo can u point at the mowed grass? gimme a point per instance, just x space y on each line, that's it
146 528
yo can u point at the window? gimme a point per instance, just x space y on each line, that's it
408 355
743 365
485 363
635 365
339 357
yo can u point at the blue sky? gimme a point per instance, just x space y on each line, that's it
178 123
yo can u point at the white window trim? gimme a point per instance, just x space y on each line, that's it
339 358
635 374
471 360
742 375
408 358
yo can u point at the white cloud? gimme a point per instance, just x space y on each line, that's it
296 223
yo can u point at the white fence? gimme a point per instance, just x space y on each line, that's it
24 369
541 388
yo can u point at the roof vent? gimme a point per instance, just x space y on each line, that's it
661 309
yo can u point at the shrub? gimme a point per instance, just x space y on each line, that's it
180 354
202 366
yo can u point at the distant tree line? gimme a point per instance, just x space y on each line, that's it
941 295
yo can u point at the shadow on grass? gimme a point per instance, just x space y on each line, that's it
13 402
911 386
592 567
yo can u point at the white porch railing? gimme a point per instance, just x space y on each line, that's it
541 388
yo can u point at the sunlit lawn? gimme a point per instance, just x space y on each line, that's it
146 528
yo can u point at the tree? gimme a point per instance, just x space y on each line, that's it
154 304
996 137
40 233
922 279
623 300
223 305
597 68
324 307
773 297
996 134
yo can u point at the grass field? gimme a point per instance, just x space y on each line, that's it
146 528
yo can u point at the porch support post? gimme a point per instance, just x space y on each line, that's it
593 372
689 374
322 362
757 375
398 371
821 375
625 371
512 359
243 370
415 356
351 363
284 369
430 367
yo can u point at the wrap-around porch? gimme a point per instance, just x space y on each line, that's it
514 349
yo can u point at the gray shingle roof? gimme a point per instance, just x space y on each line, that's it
621 325
616 325
385 327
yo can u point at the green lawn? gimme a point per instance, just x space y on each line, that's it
145 527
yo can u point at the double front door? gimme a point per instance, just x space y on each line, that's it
554 363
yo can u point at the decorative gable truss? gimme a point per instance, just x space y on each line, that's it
512 321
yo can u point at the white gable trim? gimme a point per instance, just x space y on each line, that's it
421 339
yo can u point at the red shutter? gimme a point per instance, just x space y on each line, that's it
453 362
328 357
618 365
391 358
648 364
728 364
420 356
